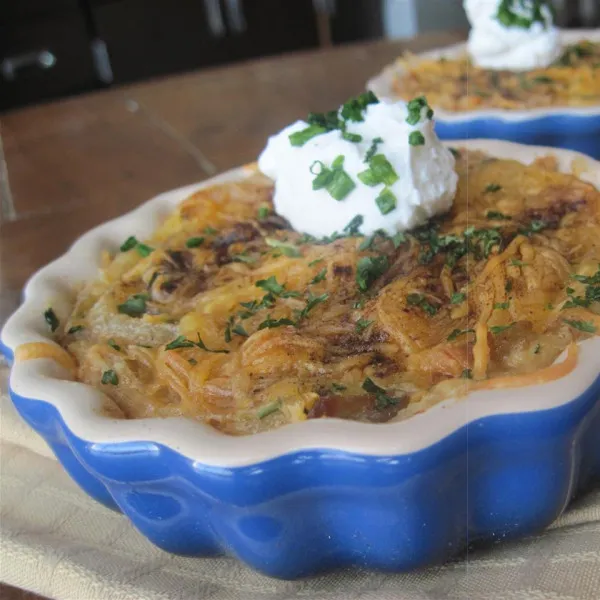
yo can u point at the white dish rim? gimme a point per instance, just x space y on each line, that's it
80 405
381 85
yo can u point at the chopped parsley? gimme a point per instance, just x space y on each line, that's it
285 248
466 374
511 15
534 227
518 263
210 230
457 298
182 342
75 329
269 323
382 398
239 330
51 319
501 305
416 138
269 409
537 348
422 302
492 187
244 257
114 345
134 306
508 286
497 216
542 79
362 324
263 213
335 180
496 329
386 201
320 276
274 287
458 332
110 377
337 387
585 326
380 171
310 304
372 149
368 269
193 362
194 242
312 263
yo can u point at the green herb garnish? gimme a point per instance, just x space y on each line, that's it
354 108
299 138
380 171
372 149
466 374
287 249
458 332
110 377
134 306
501 305
269 323
337 387
320 276
362 324
335 180
194 242
182 342
422 302
130 243
537 348
114 345
386 201
382 399
368 269
144 250
263 213
415 110
75 329
457 298
416 138
492 187
269 409
500 328
497 216
311 303
585 326
51 319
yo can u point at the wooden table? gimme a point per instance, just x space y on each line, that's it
70 165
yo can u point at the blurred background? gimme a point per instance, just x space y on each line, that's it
55 48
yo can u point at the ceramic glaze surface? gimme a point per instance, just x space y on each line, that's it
326 493
575 129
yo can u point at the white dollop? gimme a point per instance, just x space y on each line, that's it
492 45
425 187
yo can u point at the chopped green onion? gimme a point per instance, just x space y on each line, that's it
194 242
299 138
134 306
130 243
51 319
416 138
386 201
585 326
500 328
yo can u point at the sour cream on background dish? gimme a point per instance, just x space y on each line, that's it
396 173
516 35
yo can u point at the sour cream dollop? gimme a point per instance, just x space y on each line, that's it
425 185
518 41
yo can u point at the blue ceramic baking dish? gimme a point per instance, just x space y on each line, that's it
571 128
326 493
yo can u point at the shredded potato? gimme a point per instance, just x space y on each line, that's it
457 85
228 316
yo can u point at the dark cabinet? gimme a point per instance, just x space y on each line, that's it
146 38
54 48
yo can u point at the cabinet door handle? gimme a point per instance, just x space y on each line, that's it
216 24
235 16
44 59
